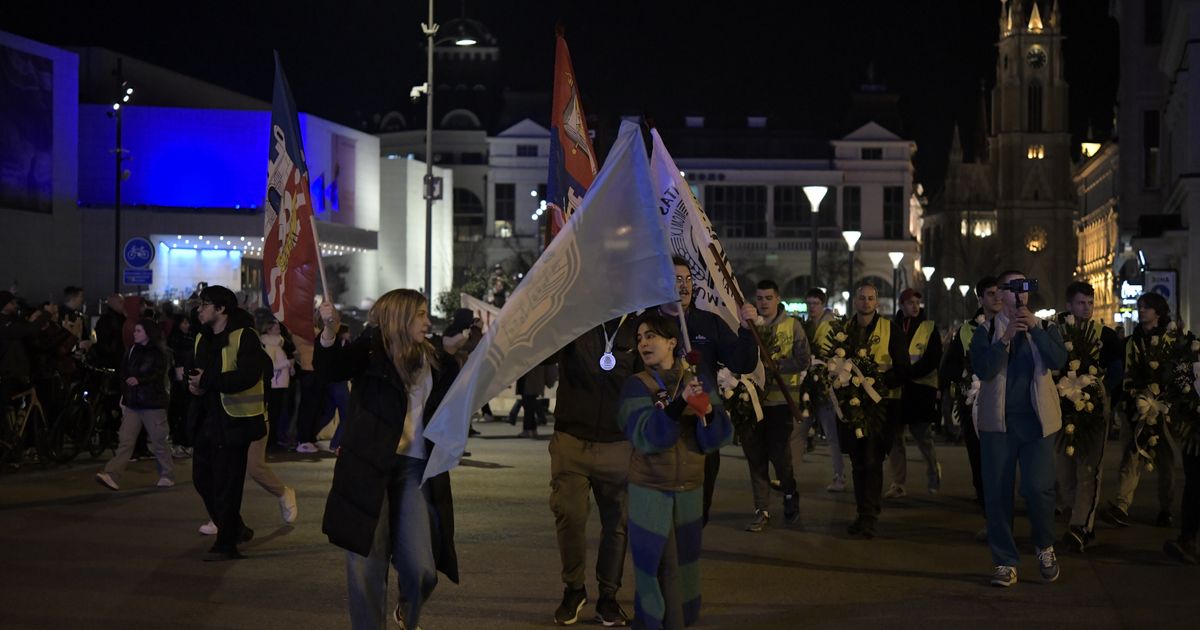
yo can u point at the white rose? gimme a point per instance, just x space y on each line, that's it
857 381
1149 467
1154 389
1090 407
1153 365
1171 327
1151 421
745 396
1070 451
854 402
1154 340
805 398
728 393
804 414
1070 429
1153 440
1070 346
840 352
862 352
1092 370
858 433
1079 405
840 336
1071 319
1074 365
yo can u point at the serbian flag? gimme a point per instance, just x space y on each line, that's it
572 158
290 261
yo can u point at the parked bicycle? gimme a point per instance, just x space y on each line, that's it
22 418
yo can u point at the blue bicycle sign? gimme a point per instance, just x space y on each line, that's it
139 252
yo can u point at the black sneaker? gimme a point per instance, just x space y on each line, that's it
862 527
1164 519
609 613
572 603
1078 539
791 508
1116 516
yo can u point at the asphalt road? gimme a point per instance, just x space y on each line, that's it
76 555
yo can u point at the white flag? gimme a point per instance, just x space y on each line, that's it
689 234
610 259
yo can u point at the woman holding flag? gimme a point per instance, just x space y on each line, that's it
377 508
673 420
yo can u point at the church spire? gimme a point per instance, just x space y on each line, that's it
956 151
1054 15
1035 19
981 127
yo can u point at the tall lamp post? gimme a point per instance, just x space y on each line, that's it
896 257
432 188
949 282
119 152
927 271
963 289
851 237
815 194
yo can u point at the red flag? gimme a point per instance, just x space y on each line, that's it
290 260
572 158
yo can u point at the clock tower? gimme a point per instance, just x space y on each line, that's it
1029 149
1008 200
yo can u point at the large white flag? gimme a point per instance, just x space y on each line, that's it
610 259
690 235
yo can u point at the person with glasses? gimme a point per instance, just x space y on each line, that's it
717 345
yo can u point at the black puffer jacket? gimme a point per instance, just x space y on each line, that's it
148 364
378 407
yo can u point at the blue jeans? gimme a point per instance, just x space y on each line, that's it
405 537
1000 453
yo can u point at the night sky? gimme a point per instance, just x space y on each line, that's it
795 62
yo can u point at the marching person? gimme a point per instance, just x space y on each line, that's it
227 382
378 510
884 341
143 405
1018 415
1079 474
673 418
1154 316
716 344
816 328
920 395
770 439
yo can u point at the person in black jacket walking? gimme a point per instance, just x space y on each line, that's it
378 510
228 408
143 405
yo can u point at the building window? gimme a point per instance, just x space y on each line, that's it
527 150
852 208
472 157
506 209
1150 142
893 212
1034 114
468 216
872 153
793 213
737 211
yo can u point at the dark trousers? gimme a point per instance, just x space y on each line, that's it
769 442
177 409
312 404
219 473
971 440
1190 510
278 414
535 413
866 458
712 466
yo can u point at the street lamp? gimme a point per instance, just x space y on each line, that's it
949 282
851 237
815 194
432 189
125 94
963 289
896 257
928 271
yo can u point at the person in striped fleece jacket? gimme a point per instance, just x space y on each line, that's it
673 420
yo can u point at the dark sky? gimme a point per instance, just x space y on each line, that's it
794 61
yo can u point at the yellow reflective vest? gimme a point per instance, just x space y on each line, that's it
917 349
783 337
247 403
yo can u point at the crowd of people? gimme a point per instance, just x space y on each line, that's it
644 404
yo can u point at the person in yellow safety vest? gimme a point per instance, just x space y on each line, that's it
769 441
817 329
886 342
228 411
956 369
922 405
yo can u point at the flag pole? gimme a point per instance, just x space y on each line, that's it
737 296
320 262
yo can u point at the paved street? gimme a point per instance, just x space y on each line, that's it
79 556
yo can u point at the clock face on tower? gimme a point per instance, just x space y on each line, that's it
1036 56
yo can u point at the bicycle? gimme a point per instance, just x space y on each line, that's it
100 396
22 414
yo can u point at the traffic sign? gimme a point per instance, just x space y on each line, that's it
139 277
139 252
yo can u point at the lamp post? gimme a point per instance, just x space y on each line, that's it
119 152
949 282
927 271
896 257
963 289
815 194
851 237
430 30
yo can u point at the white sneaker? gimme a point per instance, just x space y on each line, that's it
209 529
164 482
324 445
398 617
307 447
1004 576
287 506
896 491
837 485
107 481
